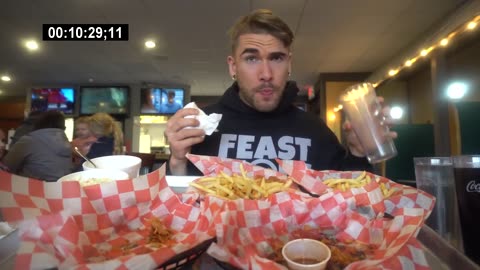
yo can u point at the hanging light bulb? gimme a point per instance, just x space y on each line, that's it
472 25
444 42
393 72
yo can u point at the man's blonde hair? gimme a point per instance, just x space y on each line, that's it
261 21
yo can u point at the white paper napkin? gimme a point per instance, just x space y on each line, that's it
208 123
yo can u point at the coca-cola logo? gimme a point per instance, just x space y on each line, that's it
472 186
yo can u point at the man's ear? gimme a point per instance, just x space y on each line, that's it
290 63
232 67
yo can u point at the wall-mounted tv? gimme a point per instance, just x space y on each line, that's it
108 99
162 101
47 99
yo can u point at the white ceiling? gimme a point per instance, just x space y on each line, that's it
192 45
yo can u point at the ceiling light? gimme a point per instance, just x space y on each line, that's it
472 25
150 44
424 52
396 112
444 42
32 45
5 78
456 90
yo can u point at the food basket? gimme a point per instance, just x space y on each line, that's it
380 213
186 258
63 225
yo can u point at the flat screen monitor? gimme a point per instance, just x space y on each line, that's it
162 101
108 99
47 99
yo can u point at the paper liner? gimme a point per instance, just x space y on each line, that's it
211 166
248 230
369 198
62 224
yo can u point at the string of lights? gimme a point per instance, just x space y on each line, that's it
466 27
443 42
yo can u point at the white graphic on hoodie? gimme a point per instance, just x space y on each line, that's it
261 150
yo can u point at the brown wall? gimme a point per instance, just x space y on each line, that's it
395 93
11 112
421 97
464 65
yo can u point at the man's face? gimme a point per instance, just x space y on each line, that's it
171 97
261 64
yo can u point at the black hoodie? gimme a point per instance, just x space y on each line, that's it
287 133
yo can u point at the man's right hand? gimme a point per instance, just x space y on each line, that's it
181 138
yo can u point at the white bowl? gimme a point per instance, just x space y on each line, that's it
94 176
129 164
179 184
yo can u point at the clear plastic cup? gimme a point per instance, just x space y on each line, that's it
306 254
364 112
434 175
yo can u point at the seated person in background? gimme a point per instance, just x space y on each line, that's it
45 152
82 130
83 139
260 121
3 145
108 134
171 106
26 126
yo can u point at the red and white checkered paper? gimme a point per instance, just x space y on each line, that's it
64 225
369 197
249 230
212 166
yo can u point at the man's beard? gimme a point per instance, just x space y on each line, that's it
255 101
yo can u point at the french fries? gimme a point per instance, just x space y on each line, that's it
240 186
363 179
345 184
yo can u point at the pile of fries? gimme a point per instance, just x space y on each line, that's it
159 234
240 186
362 180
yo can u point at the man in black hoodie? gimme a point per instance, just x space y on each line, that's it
260 122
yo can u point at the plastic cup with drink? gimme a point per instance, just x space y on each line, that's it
368 122
467 181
